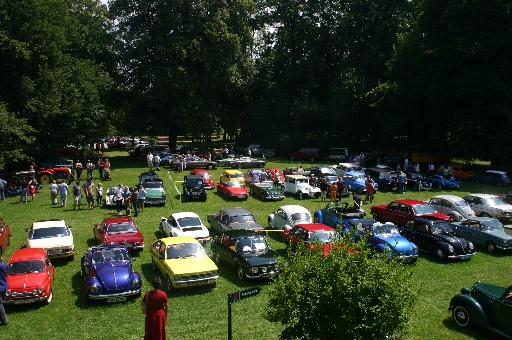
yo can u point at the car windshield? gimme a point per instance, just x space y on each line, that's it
421 209
440 227
119 228
266 184
387 228
189 222
301 217
242 219
233 184
111 191
49 232
461 203
237 175
251 244
22 267
153 185
492 225
110 255
359 177
205 175
496 201
184 250
322 236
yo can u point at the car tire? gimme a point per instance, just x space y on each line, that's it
153 264
452 218
216 257
263 197
312 159
239 166
439 253
459 178
292 158
376 217
440 186
301 195
240 273
359 191
161 229
44 179
170 287
209 167
269 225
50 297
461 316
498 184
317 195
317 219
490 246
477 181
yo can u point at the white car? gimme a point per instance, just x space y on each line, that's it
54 236
184 224
287 216
453 206
486 205
109 197
299 185
341 168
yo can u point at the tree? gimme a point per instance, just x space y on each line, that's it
341 296
15 136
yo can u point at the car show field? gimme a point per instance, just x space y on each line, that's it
201 312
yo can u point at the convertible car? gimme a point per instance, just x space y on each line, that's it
232 190
266 191
5 235
119 230
336 214
108 274
247 162
485 232
193 162
184 224
441 182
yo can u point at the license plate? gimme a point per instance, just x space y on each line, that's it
267 275
116 299
128 245
20 302
408 261
51 252
195 193
241 196
464 257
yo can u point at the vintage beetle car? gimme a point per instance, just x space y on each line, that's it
416 182
183 263
232 175
184 224
5 235
208 182
246 250
299 185
232 190
485 305
489 205
400 211
145 176
29 277
193 188
119 230
453 206
108 274
384 238
341 168
336 214
383 179
53 235
247 162
461 172
437 237
287 216
266 191
485 232
441 182
110 197
233 218
493 177
356 181
156 193
193 162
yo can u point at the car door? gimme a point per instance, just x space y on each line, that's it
172 226
86 264
390 212
100 232
158 251
418 232
280 219
503 312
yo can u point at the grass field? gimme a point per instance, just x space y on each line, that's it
202 313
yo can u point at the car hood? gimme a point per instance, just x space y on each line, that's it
52 242
255 260
191 265
28 281
154 192
398 243
114 276
237 190
125 238
242 226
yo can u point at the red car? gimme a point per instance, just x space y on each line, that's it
400 211
311 234
208 181
29 277
5 236
119 230
233 190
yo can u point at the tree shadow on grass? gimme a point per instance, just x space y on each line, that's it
473 332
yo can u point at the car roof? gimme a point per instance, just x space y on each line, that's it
497 171
348 165
178 239
117 219
410 202
236 211
184 214
242 233
48 224
28 254
354 173
448 197
294 208
297 176
200 171
193 177
314 226
232 171
482 195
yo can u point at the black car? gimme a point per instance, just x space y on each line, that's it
145 176
193 162
383 178
233 219
193 188
321 171
246 250
416 182
437 237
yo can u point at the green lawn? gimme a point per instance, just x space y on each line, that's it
199 313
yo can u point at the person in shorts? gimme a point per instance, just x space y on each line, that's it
142 197
77 195
323 189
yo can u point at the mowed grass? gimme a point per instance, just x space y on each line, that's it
202 313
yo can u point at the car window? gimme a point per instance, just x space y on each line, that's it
189 222
421 209
40 233
301 217
243 219
119 228
184 250
495 201
252 244
421 227
22 267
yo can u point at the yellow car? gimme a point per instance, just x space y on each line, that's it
232 175
183 262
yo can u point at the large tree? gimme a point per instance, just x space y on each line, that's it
15 136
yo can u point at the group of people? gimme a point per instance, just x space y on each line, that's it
337 189
153 160
103 168
92 193
28 187
133 198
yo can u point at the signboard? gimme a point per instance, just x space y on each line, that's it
243 294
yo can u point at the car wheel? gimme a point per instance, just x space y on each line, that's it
50 297
439 253
292 158
153 264
216 257
209 167
312 159
415 187
240 166
376 217
317 219
490 246
477 181
44 179
161 229
452 218
359 191
240 272
461 315
317 195
440 186
263 197
459 178
485 214
269 225
498 184
301 195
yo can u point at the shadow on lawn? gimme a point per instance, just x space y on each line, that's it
474 332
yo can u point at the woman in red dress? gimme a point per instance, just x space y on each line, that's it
157 305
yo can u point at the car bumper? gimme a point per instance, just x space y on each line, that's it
154 201
193 283
461 257
407 258
504 246
24 300
267 275
274 197
117 297
54 254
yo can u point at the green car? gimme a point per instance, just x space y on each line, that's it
156 193
266 191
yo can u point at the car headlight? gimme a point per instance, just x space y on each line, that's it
415 250
8 293
254 270
95 288
136 283
450 248
470 245
177 277
40 290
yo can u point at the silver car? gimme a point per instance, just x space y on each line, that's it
486 205
453 206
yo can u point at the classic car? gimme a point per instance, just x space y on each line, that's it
184 224
232 190
356 181
110 196
247 162
248 251
486 232
266 191
108 274
193 188
336 214
416 182
29 277
493 177
311 235
400 211
441 182
208 182
287 216
46 175
307 153
53 235
384 238
485 305
232 175
461 172
438 238
255 175
193 162
155 190
341 168
322 171
339 154
383 179
489 205
506 197
453 206
5 236
233 218
144 176
257 150
299 185
119 230
183 263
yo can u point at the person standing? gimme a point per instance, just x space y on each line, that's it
432 169
142 197
135 201
89 193
323 189
99 194
3 288
79 168
63 192
32 189
119 198
3 184
341 187
156 161
402 181
369 189
77 195
127 197
24 190
334 190
357 201
149 159
157 306
54 193
90 168
101 165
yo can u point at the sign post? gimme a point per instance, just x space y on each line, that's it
238 296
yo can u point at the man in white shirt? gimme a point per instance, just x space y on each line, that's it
149 159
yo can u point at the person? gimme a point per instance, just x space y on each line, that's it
79 168
277 179
312 180
323 189
334 190
249 152
77 195
106 169
156 161
135 201
119 198
24 190
54 194
3 288
209 156
89 193
142 197
432 169
3 184
402 181
32 189
406 163
357 201
157 307
90 168
99 194
417 167
300 169
101 166
32 172
341 187
369 189
149 159
63 192
127 197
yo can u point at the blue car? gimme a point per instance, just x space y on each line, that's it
441 182
336 214
356 181
108 274
493 177
384 237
